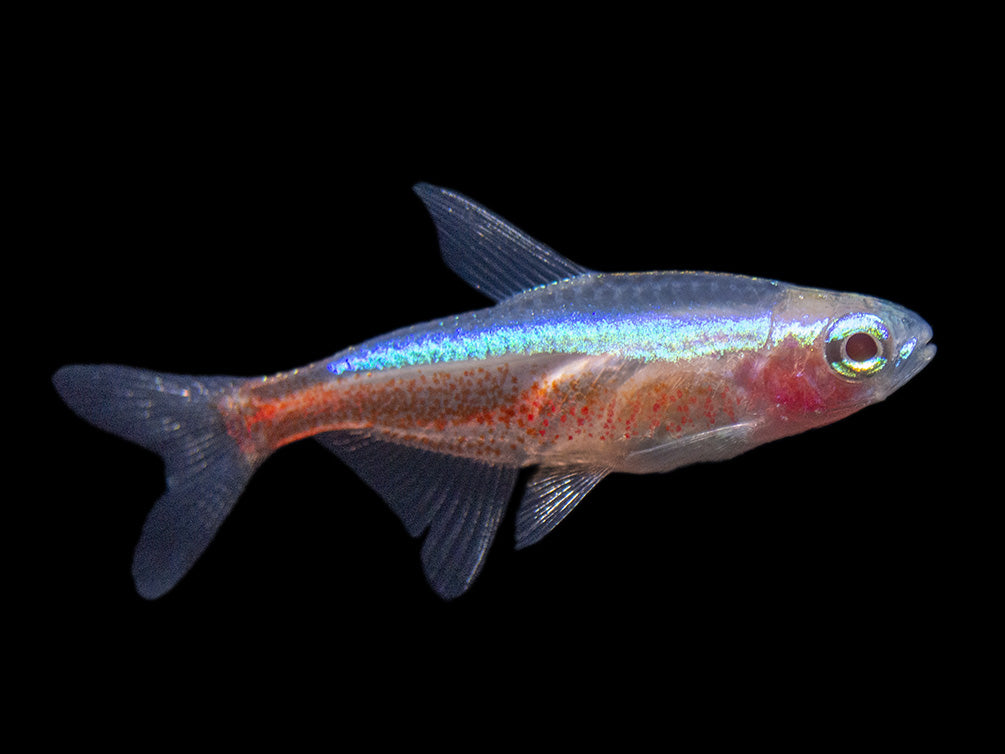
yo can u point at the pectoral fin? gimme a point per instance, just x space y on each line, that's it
711 445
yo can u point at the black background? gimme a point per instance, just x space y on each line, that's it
249 212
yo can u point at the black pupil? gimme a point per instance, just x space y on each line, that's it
861 347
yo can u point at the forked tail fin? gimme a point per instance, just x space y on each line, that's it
177 418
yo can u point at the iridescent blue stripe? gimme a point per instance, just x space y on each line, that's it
646 338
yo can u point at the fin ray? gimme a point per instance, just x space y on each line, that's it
552 492
457 502
489 253
718 444
175 417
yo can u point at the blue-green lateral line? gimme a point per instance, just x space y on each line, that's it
645 338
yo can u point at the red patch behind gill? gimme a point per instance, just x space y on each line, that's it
796 382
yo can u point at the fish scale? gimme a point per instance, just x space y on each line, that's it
576 373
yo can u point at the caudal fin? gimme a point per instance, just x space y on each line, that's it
177 418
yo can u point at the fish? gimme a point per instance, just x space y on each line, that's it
574 373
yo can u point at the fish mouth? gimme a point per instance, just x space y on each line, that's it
915 355
922 357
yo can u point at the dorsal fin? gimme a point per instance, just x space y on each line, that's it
486 251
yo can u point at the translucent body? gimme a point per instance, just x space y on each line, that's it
597 370
560 372
577 373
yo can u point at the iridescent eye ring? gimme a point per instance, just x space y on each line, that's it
856 345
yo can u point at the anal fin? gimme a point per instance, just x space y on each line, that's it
458 502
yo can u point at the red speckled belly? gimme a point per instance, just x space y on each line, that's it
518 411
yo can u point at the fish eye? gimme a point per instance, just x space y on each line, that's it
856 345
